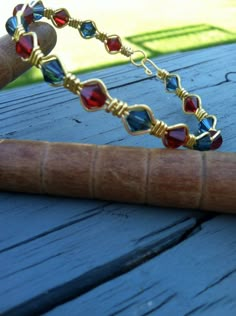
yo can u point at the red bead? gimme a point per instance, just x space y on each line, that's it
217 142
114 44
17 9
175 138
61 18
93 96
24 46
191 104
28 13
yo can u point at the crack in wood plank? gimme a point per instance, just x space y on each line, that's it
204 307
99 275
224 277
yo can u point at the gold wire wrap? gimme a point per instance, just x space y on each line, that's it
201 114
18 33
191 141
36 57
48 13
182 93
75 23
102 36
117 108
162 74
159 129
126 51
114 106
72 83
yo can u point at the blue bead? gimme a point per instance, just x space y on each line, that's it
88 29
172 83
206 124
38 10
204 143
139 121
53 72
12 24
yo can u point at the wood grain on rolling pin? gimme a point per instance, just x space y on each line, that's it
170 178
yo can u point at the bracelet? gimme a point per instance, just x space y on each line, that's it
137 119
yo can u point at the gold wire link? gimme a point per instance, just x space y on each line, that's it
191 141
36 57
182 93
19 32
117 108
72 83
102 36
162 74
135 56
147 69
48 13
75 23
201 114
126 51
159 129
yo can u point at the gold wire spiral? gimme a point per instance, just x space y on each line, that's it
126 51
201 114
36 57
75 23
191 141
19 32
102 36
162 74
48 13
159 129
72 83
182 93
118 108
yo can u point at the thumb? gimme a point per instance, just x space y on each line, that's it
11 65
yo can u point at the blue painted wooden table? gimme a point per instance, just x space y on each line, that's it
76 257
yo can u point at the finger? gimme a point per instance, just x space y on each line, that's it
11 65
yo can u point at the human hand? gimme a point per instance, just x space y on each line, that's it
11 65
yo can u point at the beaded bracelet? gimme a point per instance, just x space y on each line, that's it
137 119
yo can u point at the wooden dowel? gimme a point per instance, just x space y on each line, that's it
11 65
180 178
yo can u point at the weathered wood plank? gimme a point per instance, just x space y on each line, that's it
196 277
74 241
70 260
41 117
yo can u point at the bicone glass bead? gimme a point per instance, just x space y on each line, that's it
11 25
176 137
25 46
191 104
27 14
61 18
53 72
172 83
38 11
114 44
206 124
206 142
139 121
88 29
93 96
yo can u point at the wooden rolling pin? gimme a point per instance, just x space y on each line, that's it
169 178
